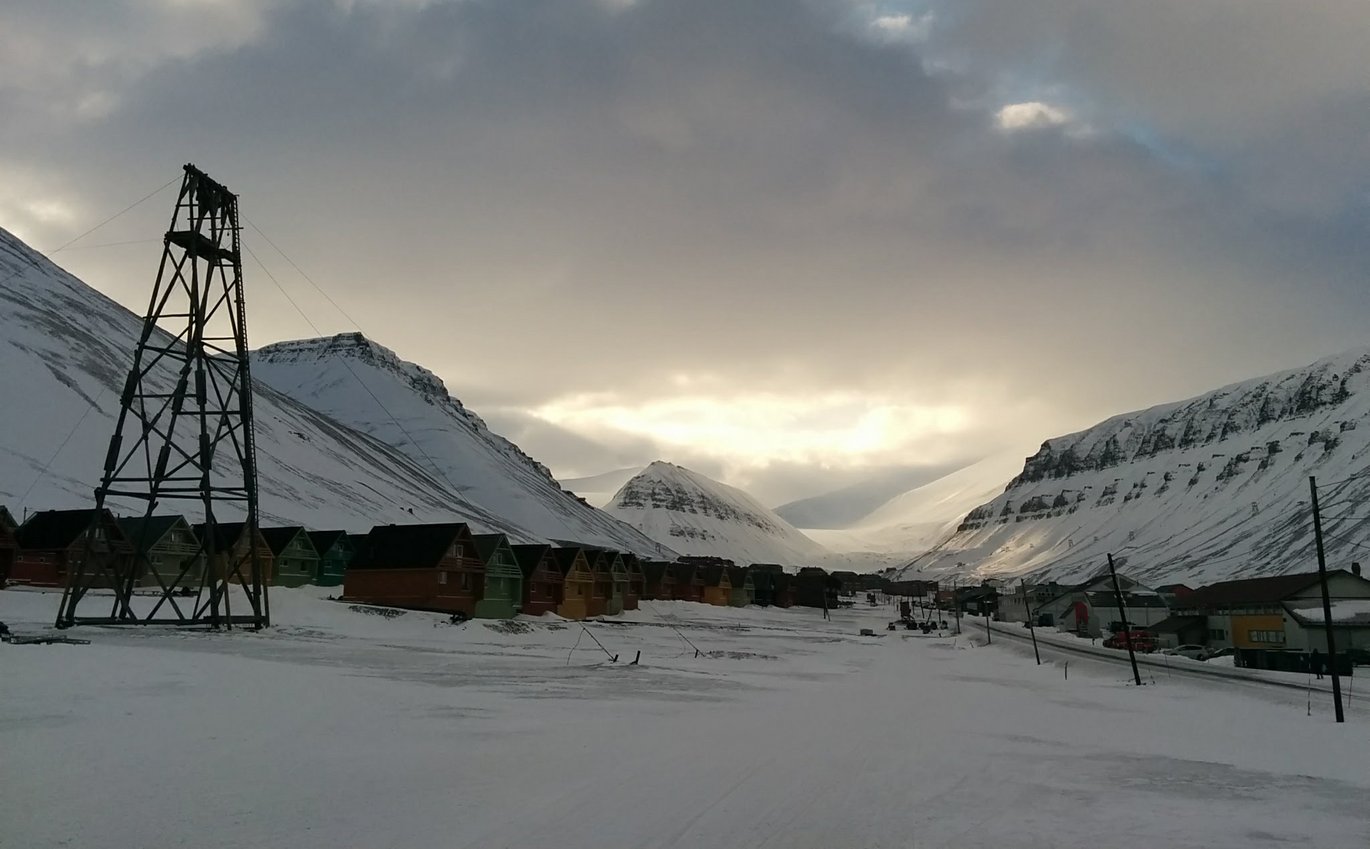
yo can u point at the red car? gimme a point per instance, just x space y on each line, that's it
1142 641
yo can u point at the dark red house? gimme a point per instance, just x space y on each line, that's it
421 567
52 543
689 582
8 544
658 580
542 579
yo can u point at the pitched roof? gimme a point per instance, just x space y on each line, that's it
1130 600
529 557
488 544
147 530
278 538
56 529
566 558
714 573
1246 591
7 519
1175 623
657 570
409 545
325 540
226 534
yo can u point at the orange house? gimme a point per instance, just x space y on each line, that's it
578 581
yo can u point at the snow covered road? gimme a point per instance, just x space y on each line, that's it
345 728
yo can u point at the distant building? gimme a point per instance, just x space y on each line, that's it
502 595
1091 609
335 550
542 580
168 553
578 582
423 567
52 546
9 546
293 558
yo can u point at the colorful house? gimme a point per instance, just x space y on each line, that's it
234 548
578 582
295 561
168 552
53 543
503 594
335 549
763 577
9 546
611 582
636 581
422 567
542 580
658 580
718 585
742 587
689 582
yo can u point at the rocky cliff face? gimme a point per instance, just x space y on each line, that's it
1199 490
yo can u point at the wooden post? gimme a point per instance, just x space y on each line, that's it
1027 605
1127 629
1326 603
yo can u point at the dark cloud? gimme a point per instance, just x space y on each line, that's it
547 199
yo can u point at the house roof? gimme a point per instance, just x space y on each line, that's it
566 558
529 557
1174 624
409 545
7 519
149 530
657 570
1346 612
1130 600
739 575
226 533
686 572
488 544
56 529
714 573
1247 591
325 540
277 539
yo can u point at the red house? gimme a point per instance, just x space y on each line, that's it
52 543
542 579
421 567
689 582
8 545
658 580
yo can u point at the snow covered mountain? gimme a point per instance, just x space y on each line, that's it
694 514
1207 489
849 505
65 350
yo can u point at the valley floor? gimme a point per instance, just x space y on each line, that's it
340 727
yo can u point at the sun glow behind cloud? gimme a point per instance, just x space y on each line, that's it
761 428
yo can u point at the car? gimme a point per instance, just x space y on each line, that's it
1142 641
1193 652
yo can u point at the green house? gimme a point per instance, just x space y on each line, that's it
294 559
335 555
612 562
166 546
503 596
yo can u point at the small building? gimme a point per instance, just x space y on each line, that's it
53 543
848 583
9 546
335 550
688 583
1179 630
295 562
232 551
542 580
718 585
814 587
658 580
1016 601
636 585
578 583
978 601
1091 608
167 551
422 567
503 593
742 589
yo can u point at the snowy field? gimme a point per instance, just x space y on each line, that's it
343 728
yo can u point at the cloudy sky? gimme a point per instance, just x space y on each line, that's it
785 243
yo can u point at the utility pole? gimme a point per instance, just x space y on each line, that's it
956 604
1127 629
1326 603
1027 605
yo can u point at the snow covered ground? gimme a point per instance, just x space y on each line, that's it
342 727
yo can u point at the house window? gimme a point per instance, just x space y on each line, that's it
465 580
1272 637
457 550
442 577
1217 634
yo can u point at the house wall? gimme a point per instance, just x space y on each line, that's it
576 592
450 590
333 566
39 568
297 564
1258 631
542 592
717 595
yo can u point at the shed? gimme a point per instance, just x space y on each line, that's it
503 595
168 552
52 543
423 567
335 550
578 582
542 580
295 562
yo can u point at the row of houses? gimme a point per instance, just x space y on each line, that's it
1269 622
437 566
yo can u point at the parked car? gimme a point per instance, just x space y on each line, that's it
1142 641
1193 652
